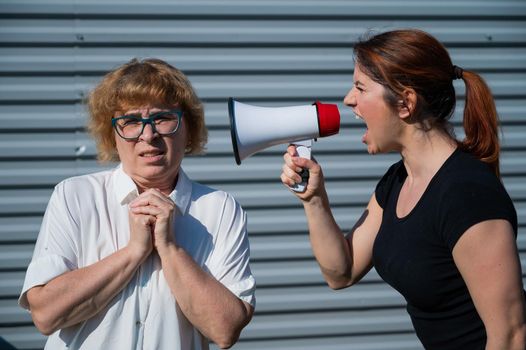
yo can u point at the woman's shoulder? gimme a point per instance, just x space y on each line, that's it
469 192
471 183
206 193
84 184
467 171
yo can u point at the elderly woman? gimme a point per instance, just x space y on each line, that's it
141 257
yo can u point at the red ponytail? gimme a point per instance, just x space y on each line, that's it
480 121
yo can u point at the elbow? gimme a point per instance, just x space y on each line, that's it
228 333
42 312
227 342
337 279
511 338
339 284
227 338
46 331
43 323
519 337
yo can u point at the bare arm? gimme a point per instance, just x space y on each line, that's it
209 305
80 294
486 256
343 260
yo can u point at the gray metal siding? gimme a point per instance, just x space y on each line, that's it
266 53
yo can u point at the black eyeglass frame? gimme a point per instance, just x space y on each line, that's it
150 120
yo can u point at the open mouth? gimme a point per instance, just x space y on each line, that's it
364 136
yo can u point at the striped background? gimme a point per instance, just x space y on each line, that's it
269 53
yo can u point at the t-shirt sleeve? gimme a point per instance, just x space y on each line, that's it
55 250
468 203
229 262
383 187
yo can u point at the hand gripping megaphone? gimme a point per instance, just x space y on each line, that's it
254 128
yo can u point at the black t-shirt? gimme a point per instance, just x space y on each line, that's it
414 253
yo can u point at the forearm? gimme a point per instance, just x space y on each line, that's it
80 294
329 245
211 307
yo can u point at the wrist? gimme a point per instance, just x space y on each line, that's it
136 253
165 248
316 201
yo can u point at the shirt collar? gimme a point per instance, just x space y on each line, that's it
126 190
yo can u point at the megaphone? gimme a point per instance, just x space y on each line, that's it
254 128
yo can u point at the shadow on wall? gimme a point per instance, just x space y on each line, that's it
4 345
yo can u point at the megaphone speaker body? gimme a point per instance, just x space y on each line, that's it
254 128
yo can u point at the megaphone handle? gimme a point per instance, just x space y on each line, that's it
303 149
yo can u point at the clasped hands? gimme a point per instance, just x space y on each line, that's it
151 216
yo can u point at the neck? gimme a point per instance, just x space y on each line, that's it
425 152
165 187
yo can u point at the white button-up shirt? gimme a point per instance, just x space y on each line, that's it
87 220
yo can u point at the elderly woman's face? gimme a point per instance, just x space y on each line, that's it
152 160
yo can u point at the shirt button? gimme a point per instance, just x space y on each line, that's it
138 323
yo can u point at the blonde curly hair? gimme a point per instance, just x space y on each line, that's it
136 84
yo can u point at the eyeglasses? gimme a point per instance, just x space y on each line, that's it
131 126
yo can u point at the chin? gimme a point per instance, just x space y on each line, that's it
372 150
156 171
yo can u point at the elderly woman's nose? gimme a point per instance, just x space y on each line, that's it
148 133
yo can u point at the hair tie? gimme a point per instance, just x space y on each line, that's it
457 72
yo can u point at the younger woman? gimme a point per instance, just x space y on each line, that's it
440 227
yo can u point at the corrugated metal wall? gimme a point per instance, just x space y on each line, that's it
270 53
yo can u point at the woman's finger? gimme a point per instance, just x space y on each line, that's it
291 174
152 197
147 210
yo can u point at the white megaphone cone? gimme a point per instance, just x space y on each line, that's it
254 128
